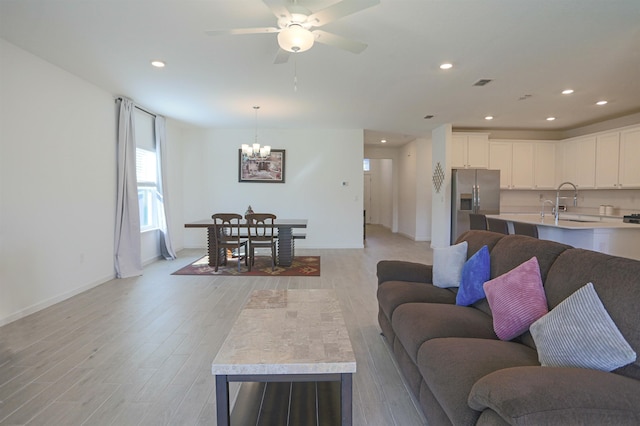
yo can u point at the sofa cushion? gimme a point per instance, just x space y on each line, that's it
415 323
580 333
558 396
451 366
477 239
400 270
448 263
392 294
512 250
516 299
475 272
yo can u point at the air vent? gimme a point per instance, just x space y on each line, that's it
482 82
429 117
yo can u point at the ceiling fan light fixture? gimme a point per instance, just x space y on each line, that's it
295 38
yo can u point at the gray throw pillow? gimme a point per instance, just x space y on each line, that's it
580 333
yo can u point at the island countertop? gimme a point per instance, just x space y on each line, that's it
604 234
568 221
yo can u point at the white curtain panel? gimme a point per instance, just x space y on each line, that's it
166 244
128 259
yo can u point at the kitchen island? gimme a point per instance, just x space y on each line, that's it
604 234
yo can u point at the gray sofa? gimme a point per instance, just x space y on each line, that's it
462 374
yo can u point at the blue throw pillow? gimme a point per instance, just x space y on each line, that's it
475 272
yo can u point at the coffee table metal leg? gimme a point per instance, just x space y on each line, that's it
222 400
346 398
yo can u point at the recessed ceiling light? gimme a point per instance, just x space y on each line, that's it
489 117
383 141
567 91
446 66
158 64
550 118
601 103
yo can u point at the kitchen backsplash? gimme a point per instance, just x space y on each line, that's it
624 201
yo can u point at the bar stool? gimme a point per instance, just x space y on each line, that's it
528 229
477 221
497 225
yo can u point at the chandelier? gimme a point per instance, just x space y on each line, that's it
255 151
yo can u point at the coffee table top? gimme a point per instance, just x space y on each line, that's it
287 332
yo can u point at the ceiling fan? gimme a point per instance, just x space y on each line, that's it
295 26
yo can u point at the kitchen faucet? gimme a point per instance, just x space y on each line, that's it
575 198
542 208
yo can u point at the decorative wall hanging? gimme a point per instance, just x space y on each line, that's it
268 169
438 177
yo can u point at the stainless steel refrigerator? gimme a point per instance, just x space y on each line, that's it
472 191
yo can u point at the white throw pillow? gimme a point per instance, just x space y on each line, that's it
448 263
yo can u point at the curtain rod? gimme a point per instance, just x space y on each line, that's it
119 98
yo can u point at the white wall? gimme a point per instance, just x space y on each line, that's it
406 172
407 190
423 189
441 151
57 192
381 173
317 162
57 184
390 172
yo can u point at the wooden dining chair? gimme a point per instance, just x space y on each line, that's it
497 225
528 229
228 237
477 221
261 235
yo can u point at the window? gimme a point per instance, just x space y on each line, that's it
146 171
365 165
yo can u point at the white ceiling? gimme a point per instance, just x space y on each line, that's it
528 47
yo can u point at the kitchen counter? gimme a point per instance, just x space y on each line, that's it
568 221
604 234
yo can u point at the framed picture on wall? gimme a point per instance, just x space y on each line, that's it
269 169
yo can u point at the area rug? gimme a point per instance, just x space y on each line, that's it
302 266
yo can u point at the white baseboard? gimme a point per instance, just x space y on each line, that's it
53 300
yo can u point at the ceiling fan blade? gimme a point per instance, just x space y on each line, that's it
338 10
281 57
338 41
264 30
278 8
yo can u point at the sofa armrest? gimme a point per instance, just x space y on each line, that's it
399 270
558 396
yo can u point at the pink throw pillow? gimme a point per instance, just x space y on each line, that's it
516 299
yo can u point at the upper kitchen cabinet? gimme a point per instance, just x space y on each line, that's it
544 165
524 164
629 175
470 150
501 158
607 160
579 162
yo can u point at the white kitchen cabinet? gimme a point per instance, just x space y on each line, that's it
579 160
544 165
470 150
522 165
500 158
629 175
607 160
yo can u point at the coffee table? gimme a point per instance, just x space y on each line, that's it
286 336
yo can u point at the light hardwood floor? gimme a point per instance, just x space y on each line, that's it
138 351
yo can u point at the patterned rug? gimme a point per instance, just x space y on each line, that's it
302 266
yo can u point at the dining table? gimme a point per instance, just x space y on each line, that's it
286 237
